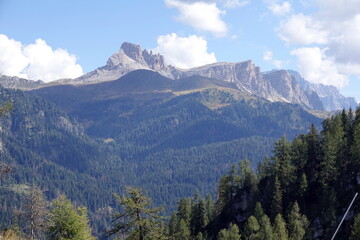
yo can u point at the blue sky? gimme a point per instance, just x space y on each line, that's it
52 39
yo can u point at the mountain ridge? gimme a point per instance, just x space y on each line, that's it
278 85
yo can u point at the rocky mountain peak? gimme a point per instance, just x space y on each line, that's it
132 50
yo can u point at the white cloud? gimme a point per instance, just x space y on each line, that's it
12 59
224 3
338 10
280 9
235 3
316 67
36 61
184 52
268 56
203 16
301 29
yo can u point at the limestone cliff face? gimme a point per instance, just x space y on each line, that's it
330 96
281 85
129 58
287 86
19 83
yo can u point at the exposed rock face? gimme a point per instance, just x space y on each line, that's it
129 58
329 95
245 75
19 83
287 86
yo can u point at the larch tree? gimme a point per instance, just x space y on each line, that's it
35 213
138 220
68 222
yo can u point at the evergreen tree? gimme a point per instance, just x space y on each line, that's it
355 229
258 211
210 208
223 193
232 233
280 231
198 217
184 210
298 223
276 201
183 232
68 222
266 230
282 163
252 228
138 220
35 213
355 149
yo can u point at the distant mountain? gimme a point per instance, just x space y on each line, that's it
329 95
19 83
275 86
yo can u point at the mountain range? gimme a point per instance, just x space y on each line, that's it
278 85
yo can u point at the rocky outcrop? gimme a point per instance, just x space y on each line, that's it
19 83
287 86
281 85
330 96
129 58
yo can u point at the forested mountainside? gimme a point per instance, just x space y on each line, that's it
301 192
171 142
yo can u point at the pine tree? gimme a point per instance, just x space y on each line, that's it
252 228
198 217
355 229
35 213
283 166
298 223
266 230
280 231
258 211
138 220
183 231
210 208
276 201
68 222
232 233
223 194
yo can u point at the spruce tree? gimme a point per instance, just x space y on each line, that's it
276 201
232 233
35 213
280 231
266 230
138 220
298 223
252 228
355 229
68 222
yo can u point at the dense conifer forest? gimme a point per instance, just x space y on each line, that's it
300 192
55 169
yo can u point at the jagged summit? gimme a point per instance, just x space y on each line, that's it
280 85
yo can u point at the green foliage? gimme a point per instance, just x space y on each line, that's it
138 219
355 229
266 231
252 228
68 222
232 233
280 231
298 223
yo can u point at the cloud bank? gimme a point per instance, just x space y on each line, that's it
329 39
202 16
184 52
36 61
